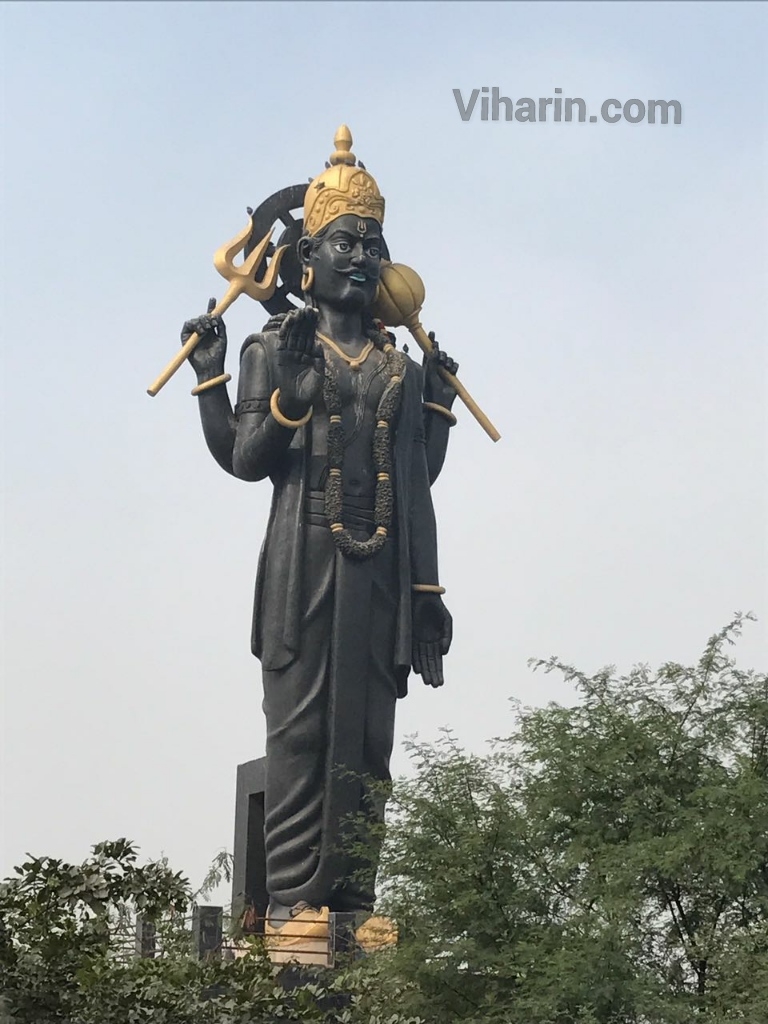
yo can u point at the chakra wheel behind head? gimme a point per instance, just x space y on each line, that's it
281 206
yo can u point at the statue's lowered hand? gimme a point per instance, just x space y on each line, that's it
300 361
432 635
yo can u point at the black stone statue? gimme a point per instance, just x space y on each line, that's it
352 433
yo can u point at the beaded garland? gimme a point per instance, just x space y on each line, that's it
389 403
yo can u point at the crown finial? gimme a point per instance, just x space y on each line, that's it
342 140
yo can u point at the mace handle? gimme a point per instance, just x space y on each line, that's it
420 335
235 288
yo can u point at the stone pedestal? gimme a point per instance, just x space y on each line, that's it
249 869
338 940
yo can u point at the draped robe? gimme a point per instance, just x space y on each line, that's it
334 640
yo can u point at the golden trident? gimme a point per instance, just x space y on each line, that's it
240 280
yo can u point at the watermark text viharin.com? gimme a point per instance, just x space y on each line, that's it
495 107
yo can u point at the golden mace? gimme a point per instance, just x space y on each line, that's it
241 280
398 303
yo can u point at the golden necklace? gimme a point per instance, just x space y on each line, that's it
354 364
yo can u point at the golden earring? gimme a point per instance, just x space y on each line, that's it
308 279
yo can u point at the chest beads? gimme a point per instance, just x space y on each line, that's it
389 403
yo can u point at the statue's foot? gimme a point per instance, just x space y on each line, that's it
376 933
292 926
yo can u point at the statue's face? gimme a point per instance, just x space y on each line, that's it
347 263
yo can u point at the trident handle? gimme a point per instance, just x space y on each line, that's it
240 280
190 344
420 336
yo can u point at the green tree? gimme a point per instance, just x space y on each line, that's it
66 945
607 862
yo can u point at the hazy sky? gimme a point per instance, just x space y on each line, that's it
602 286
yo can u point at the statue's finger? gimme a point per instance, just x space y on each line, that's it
418 668
445 642
302 338
434 665
211 305
286 328
312 335
312 329
429 676
297 344
426 674
311 324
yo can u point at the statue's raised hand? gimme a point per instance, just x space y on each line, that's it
207 357
432 632
435 388
300 362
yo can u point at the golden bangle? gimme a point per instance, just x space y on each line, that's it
442 411
283 420
428 588
223 378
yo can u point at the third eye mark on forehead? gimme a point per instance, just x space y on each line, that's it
347 236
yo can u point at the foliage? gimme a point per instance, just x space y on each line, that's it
66 945
607 863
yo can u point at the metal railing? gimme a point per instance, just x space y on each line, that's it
206 936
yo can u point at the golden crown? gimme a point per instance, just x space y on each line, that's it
344 187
